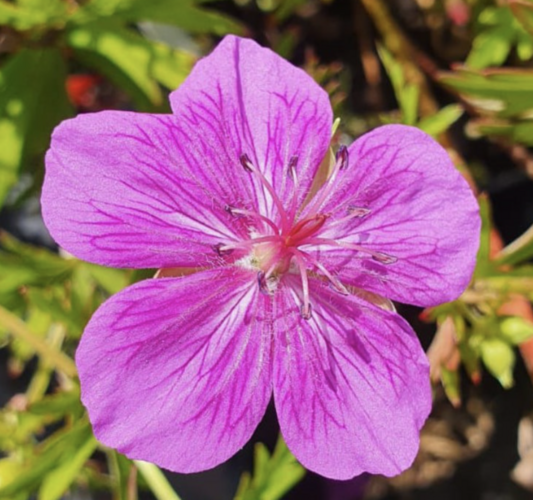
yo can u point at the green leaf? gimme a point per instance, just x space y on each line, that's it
60 479
484 265
490 48
499 358
452 385
523 12
31 14
121 470
111 280
46 456
28 113
520 132
273 475
442 120
516 330
406 94
120 54
156 481
18 329
504 92
185 14
60 404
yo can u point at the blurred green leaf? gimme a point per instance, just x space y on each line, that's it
123 56
442 120
28 14
503 92
111 280
20 331
273 475
519 250
516 131
523 12
156 480
516 330
58 404
499 358
28 113
46 457
483 262
59 480
121 470
185 14
406 94
493 44
451 383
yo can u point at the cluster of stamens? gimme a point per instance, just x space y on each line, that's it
274 247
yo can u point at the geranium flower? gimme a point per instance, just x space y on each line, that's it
179 370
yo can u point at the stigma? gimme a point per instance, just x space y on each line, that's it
282 245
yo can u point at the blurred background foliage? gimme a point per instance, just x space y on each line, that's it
462 70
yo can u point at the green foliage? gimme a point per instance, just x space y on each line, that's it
47 298
273 475
500 30
28 112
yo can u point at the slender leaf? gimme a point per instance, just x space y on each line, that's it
28 113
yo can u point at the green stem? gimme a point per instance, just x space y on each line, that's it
156 481
54 358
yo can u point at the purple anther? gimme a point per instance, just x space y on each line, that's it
305 311
246 162
293 162
342 156
358 212
229 209
384 258
263 284
221 251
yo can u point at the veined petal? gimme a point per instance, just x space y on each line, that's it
351 384
116 193
421 212
245 99
178 371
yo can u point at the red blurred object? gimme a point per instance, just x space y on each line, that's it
458 12
82 90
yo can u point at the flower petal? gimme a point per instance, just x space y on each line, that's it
422 212
116 193
245 99
351 384
178 371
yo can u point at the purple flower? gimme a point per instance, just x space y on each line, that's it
179 370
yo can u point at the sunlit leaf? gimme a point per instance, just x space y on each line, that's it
516 330
28 14
498 91
28 113
499 358
124 57
442 120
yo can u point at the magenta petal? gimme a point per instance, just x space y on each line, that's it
116 193
178 371
351 384
245 99
421 211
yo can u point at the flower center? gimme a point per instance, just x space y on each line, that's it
274 247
